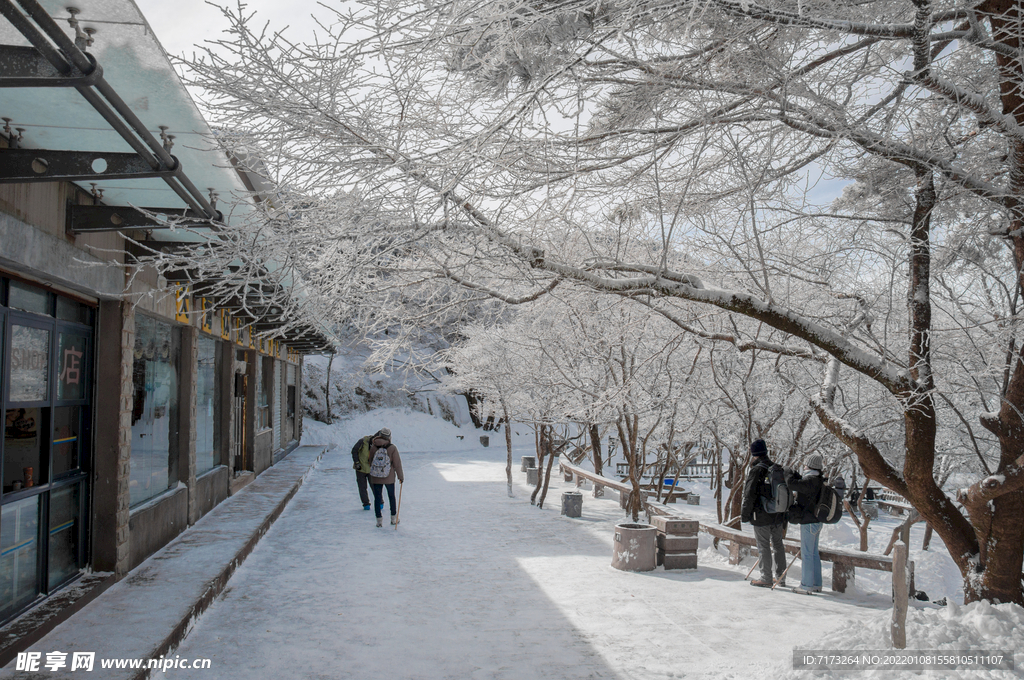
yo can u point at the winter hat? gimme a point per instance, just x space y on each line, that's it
814 462
759 448
386 434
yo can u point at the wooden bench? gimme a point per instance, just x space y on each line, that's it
599 481
894 507
844 562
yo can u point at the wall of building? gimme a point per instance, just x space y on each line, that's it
34 247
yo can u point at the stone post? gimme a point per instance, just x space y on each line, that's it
900 594
187 363
115 338
124 439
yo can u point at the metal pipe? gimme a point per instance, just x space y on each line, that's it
156 155
23 26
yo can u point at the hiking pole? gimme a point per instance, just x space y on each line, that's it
753 568
398 510
783 577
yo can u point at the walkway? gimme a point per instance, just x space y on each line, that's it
474 584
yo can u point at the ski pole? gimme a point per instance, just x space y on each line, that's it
398 510
753 568
783 577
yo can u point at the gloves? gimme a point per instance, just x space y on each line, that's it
355 466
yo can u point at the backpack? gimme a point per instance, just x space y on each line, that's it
775 495
381 464
829 509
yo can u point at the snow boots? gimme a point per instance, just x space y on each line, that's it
394 520
380 521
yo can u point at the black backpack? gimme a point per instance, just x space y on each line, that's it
829 508
775 494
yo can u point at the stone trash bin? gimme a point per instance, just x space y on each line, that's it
531 476
693 499
529 462
572 503
635 547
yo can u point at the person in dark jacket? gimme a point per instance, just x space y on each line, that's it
382 440
839 484
361 464
769 528
807 487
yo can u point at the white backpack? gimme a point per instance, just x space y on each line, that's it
380 466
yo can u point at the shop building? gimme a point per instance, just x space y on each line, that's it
133 403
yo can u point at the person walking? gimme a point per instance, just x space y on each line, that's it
385 466
769 527
361 464
807 486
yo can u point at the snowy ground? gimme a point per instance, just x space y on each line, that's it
474 584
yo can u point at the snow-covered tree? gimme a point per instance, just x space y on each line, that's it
661 153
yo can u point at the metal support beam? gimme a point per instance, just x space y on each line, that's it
92 218
28 67
44 165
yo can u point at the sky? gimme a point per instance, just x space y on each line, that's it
181 24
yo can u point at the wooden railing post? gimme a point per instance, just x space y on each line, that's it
900 594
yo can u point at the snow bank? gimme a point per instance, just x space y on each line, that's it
356 388
410 431
976 627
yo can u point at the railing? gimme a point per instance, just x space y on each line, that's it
843 562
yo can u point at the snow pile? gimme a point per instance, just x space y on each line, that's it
977 627
410 431
357 388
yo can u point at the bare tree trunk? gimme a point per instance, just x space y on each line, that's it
543 447
508 446
330 421
595 446
718 480
864 520
902 531
547 472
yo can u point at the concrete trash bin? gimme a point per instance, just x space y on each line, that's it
572 503
531 476
693 499
635 547
528 462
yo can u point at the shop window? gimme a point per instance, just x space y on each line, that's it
207 400
289 421
154 410
67 431
72 354
19 554
64 534
30 363
70 310
264 382
44 450
24 448
29 298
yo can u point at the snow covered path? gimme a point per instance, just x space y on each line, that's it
474 584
